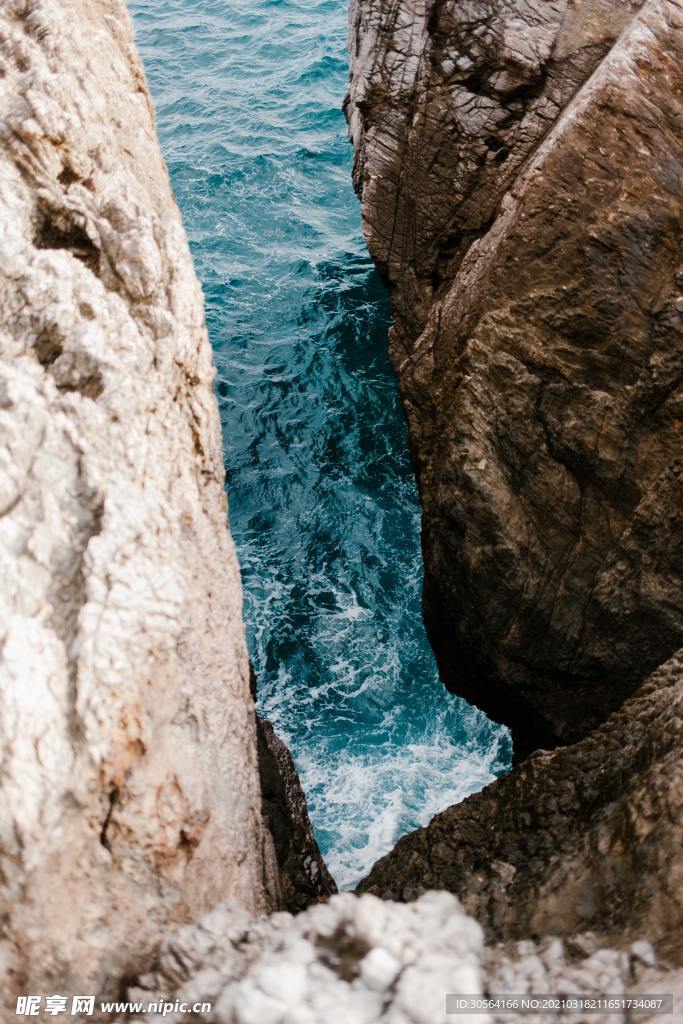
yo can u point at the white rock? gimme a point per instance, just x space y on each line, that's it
379 969
129 785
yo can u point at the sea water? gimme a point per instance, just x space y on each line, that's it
323 503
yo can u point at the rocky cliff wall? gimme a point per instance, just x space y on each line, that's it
520 166
130 794
302 873
586 838
131 800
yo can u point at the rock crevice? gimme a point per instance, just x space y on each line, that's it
520 168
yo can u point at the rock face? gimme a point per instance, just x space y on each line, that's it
582 838
363 961
520 166
302 872
130 792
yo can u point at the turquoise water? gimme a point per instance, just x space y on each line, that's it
323 504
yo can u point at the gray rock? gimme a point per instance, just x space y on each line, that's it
356 960
582 838
130 792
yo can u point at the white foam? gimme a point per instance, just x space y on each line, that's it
362 801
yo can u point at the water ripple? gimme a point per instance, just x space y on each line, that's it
323 503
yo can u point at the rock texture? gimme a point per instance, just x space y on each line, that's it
360 961
579 967
130 792
363 961
302 872
582 838
520 165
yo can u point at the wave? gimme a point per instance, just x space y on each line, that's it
323 503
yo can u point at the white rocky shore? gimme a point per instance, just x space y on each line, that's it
361 960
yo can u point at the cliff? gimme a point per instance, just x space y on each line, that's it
302 873
130 793
520 168
586 838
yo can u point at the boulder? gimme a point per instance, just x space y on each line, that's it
520 166
586 838
365 961
302 872
130 786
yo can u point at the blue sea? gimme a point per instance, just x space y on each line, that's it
323 503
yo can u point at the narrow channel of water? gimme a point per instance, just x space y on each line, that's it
323 504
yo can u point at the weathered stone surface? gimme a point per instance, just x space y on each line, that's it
582 838
362 961
130 792
302 872
578 967
520 166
